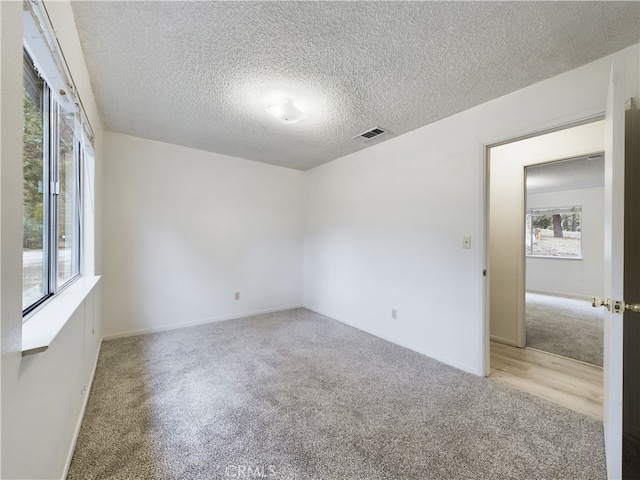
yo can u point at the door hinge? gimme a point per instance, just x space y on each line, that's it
54 188
484 272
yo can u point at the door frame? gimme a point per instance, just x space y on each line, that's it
486 148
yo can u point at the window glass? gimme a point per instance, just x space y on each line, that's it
554 232
34 272
51 185
67 208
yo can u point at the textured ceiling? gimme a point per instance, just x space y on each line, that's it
200 74
583 172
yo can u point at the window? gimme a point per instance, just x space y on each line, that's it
554 232
34 273
51 187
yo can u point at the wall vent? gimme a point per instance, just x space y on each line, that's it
369 134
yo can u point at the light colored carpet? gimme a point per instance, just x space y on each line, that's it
565 326
296 395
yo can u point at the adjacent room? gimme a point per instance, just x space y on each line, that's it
564 234
546 229
254 239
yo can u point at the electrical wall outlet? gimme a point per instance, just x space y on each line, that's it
394 314
237 296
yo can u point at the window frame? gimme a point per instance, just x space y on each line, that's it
529 214
52 109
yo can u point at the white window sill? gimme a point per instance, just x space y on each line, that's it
39 331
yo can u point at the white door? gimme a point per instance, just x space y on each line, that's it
613 274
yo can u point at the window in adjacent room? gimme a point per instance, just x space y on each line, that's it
554 232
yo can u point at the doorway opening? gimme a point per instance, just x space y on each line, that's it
564 257
545 248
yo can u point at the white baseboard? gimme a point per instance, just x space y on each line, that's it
504 341
422 351
67 464
174 326
560 294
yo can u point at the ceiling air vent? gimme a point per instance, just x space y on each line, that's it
374 132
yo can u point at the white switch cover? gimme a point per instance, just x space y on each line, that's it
466 242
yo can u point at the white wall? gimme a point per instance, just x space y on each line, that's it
186 229
44 398
579 278
506 218
41 394
385 225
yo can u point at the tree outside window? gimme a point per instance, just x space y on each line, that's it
554 232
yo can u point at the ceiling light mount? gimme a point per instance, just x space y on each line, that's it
286 111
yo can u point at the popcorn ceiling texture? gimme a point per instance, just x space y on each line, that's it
199 74
567 175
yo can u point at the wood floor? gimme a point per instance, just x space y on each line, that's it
570 383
